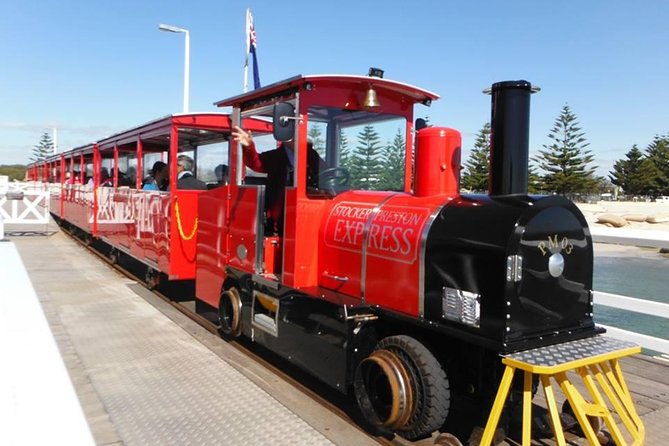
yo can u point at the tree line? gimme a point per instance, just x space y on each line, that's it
565 166
13 171
644 173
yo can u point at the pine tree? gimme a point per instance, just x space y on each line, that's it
535 184
392 175
366 165
344 152
566 162
43 149
658 153
628 173
477 167
315 137
652 178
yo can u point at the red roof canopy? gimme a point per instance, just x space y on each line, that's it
417 95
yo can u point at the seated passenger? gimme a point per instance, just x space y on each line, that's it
157 179
221 172
185 177
105 179
127 178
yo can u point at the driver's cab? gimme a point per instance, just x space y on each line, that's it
340 141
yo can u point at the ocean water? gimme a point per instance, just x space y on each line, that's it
645 276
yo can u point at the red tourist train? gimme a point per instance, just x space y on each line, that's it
383 280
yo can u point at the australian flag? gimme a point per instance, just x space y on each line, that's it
251 48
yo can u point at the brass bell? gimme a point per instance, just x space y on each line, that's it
370 98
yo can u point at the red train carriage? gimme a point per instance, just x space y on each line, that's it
155 227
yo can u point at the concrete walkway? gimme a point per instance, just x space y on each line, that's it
142 379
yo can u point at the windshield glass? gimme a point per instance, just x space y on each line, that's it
361 149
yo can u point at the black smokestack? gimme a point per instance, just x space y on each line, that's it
510 137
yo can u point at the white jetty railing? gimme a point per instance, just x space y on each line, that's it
24 203
634 237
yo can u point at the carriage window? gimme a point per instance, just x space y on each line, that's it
209 151
89 172
361 149
149 160
127 171
212 163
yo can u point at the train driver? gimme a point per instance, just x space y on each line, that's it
278 165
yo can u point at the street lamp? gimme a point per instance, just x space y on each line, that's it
176 29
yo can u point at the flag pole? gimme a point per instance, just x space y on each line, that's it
248 49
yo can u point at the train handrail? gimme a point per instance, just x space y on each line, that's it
179 225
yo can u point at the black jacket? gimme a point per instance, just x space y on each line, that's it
188 181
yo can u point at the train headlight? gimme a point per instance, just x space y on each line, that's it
556 264
461 306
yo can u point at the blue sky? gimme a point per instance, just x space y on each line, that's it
93 67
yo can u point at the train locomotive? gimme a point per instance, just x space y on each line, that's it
417 288
406 296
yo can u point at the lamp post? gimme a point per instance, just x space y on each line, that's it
176 29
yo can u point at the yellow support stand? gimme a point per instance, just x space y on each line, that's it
595 360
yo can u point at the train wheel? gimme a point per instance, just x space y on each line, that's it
152 278
230 313
113 256
401 386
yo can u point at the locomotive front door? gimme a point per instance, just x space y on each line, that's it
246 211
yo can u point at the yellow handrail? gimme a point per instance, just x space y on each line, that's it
179 226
